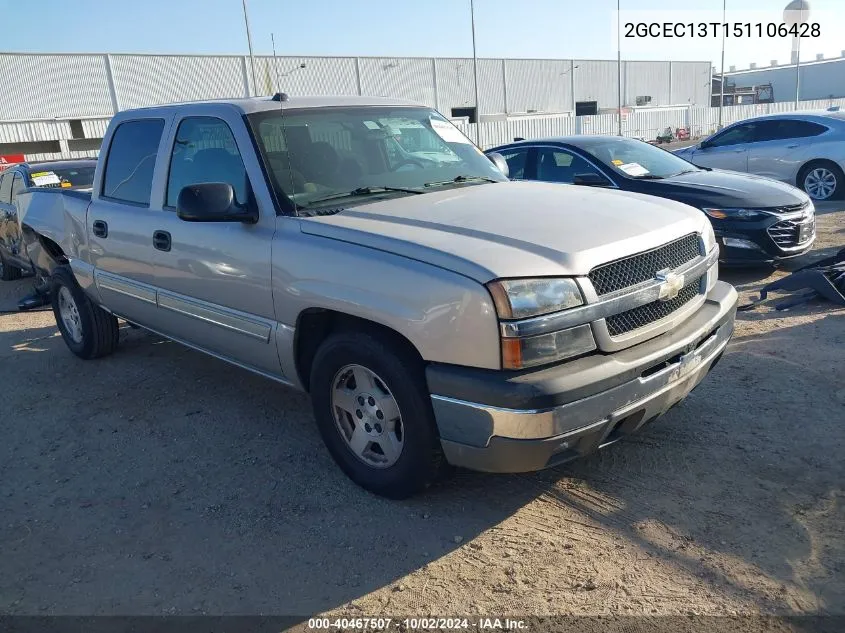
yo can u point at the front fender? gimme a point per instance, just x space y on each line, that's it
447 317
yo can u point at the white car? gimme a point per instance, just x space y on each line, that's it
806 149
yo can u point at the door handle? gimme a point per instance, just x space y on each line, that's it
791 146
100 228
161 240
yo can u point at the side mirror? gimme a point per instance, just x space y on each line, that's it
212 202
590 180
499 161
704 145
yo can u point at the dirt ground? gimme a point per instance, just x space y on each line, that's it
161 481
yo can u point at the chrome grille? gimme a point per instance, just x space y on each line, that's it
629 320
636 269
790 208
785 233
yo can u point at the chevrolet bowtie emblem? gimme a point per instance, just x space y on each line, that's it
671 284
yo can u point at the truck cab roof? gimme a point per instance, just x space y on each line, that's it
263 104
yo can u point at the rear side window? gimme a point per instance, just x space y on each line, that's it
6 188
131 161
790 128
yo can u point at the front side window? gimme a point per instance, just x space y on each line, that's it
739 134
635 159
315 157
131 160
517 160
205 151
557 165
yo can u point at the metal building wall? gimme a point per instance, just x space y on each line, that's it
456 85
596 80
321 75
50 86
141 80
818 80
539 85
691 83
651 79
408 78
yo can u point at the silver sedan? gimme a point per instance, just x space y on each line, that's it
806 149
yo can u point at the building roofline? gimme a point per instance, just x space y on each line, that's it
813 62
415 57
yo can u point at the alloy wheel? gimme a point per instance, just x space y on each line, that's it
70 315
367 416
820 183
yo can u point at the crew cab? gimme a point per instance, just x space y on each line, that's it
365 251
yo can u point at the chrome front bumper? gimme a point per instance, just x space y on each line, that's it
657 375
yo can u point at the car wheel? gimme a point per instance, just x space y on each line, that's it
374 413
7 271
822 180
88 330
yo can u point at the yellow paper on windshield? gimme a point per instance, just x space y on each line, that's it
44 178
634 169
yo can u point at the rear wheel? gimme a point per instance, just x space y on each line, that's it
374 413
7 271
822 180
88 330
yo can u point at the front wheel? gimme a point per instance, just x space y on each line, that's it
822 180
87 329
374 414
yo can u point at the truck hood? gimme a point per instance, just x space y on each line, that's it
512 229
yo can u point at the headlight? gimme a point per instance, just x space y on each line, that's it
735 214
523 298
526 298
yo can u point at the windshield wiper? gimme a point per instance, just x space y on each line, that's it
648 177
681 173
362 191
459 179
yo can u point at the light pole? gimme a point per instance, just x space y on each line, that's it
619 61
475 74
249 43
722 80
795 14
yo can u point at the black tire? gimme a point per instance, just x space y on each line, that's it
830 166
100 333
421 461
7 271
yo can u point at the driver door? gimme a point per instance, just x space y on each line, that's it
728 149
214 278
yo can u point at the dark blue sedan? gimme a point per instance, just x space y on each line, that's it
756 220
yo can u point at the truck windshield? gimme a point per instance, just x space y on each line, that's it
317 156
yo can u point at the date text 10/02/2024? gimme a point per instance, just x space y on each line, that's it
719 29
417 624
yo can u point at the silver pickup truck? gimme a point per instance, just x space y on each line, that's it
365 251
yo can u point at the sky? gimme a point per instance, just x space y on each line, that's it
434 28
